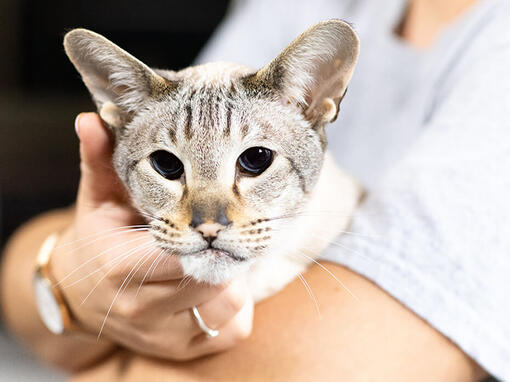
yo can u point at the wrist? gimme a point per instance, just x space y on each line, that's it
54 303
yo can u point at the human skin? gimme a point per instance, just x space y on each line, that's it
373 338
353 339
370 338
93 273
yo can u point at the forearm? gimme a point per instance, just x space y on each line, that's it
70 351
373 338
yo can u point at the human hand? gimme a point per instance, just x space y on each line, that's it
120 285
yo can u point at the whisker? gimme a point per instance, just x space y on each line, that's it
305 212
117 295
357 253
122 258
163 257
340 232
95 257
101 233
148 256
186 280
149 216
105 237
312 295
330 273
155 261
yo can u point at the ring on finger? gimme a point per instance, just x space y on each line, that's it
210 333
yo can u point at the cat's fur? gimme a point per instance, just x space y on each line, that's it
207 115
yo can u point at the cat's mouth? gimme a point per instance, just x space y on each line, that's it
219 253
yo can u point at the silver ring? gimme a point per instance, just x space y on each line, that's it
211 333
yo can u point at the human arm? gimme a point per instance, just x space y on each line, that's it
85 266
370 338
70 352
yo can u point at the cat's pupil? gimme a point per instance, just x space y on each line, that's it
255 160
167 164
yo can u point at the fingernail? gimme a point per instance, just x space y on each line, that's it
77 124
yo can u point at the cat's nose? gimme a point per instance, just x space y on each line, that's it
209 231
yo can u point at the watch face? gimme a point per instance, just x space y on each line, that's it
47 305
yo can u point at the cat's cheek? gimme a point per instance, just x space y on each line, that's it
151 192
276 193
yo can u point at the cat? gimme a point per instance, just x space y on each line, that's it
229 162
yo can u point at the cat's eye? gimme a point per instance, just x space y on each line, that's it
167 164
255 160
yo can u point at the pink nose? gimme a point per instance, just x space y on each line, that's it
209 230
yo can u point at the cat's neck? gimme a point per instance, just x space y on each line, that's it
329 209
326 215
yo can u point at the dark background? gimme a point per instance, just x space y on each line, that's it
41 93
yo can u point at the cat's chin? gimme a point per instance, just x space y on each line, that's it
214 266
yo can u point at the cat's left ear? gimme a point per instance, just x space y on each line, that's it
314 70
119 83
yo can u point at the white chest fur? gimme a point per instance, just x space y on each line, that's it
325 216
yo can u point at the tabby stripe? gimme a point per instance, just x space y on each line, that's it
302 181
173 138
188 132
229 116
244 130
236 192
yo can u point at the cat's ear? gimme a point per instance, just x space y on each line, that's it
119 83
314 70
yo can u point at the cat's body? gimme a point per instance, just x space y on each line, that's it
230 163
324 217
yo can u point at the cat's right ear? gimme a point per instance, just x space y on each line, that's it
119 83
313 71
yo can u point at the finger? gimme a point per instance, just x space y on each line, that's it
154 265
220 310
177 297
99 182
236 330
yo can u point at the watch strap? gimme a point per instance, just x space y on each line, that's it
43 274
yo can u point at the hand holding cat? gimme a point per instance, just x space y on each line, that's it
118 283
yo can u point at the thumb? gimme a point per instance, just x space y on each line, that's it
99 181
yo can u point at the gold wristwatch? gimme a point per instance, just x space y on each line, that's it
50 301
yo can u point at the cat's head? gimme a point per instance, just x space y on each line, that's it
220 156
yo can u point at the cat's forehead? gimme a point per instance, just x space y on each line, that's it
211 103
212 116
209 74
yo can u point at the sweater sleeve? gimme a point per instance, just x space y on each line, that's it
435 233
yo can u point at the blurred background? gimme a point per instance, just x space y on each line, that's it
41 94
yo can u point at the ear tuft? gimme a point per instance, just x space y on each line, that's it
315 67
111 114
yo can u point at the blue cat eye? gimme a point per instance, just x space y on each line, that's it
167 164
255 160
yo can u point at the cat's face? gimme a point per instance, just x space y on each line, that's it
210 151
219 157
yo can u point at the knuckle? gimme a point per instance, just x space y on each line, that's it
235 300
241 332
217 289
129 309
116 273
